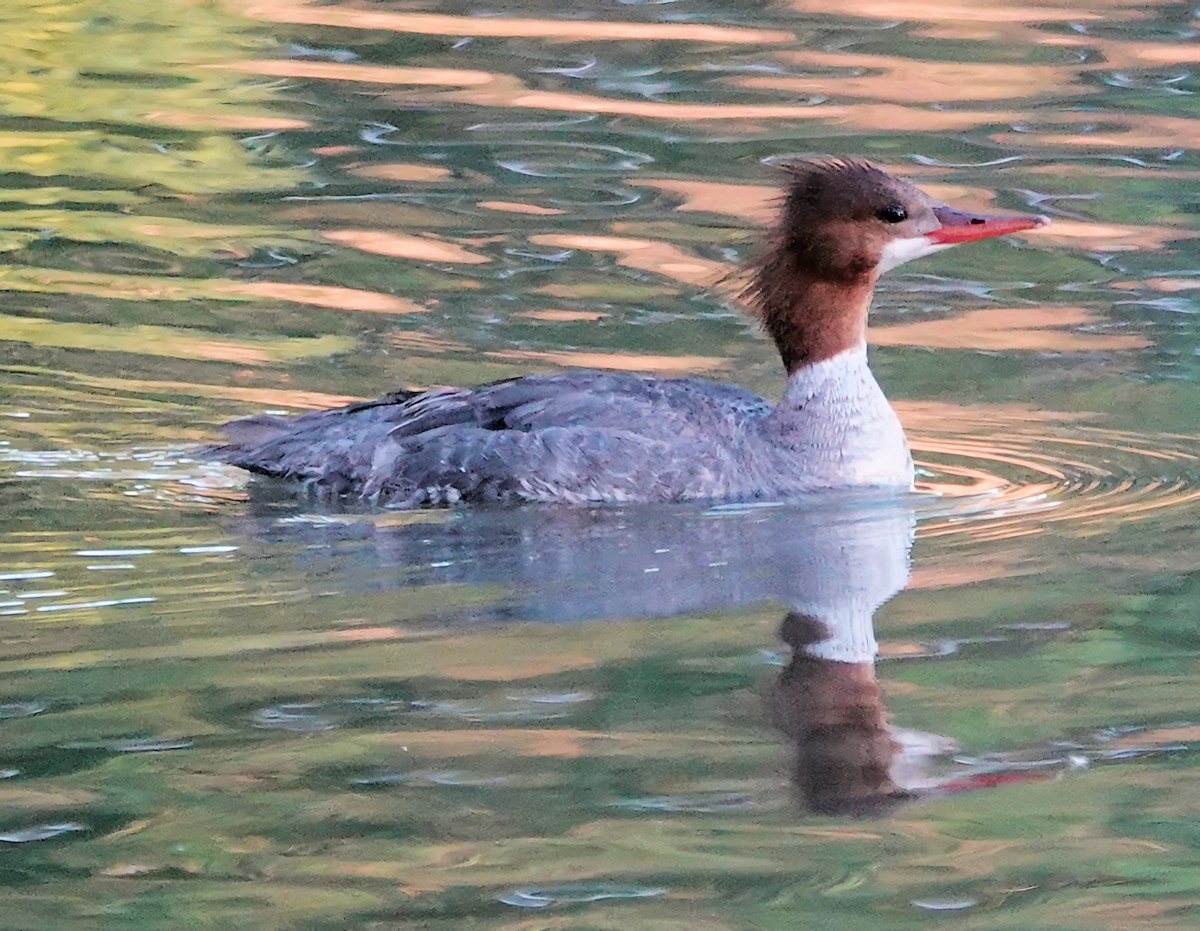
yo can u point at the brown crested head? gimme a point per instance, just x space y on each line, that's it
842 224
839 216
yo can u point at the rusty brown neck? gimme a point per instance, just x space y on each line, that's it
810 318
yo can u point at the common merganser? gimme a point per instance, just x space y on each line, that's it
590 437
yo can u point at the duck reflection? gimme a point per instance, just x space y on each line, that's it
833 566
832 710
828 700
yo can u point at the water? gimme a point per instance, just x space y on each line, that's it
218 709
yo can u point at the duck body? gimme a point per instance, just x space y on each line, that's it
593 437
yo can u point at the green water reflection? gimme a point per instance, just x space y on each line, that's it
217 710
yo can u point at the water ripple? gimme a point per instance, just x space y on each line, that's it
1017 480
576 894
41 832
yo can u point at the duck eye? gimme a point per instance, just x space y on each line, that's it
893 213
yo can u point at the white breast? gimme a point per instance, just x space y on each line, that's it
838 427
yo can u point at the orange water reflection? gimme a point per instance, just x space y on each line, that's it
894 101
1146 131
756 203
401 171
913 81
1114 237
186 119
480 88
924 416
650 255
571 30
618 361
401 246
167 342
938 11
415 340
555 315
507 206
149 288
366 74
253 398
1026 328
1162 285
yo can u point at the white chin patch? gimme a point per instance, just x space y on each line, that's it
899 251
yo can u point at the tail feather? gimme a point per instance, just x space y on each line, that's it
257 430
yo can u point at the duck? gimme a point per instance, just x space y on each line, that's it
594 437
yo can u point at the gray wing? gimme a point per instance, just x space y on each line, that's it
575 436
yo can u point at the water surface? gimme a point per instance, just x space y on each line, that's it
222 708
